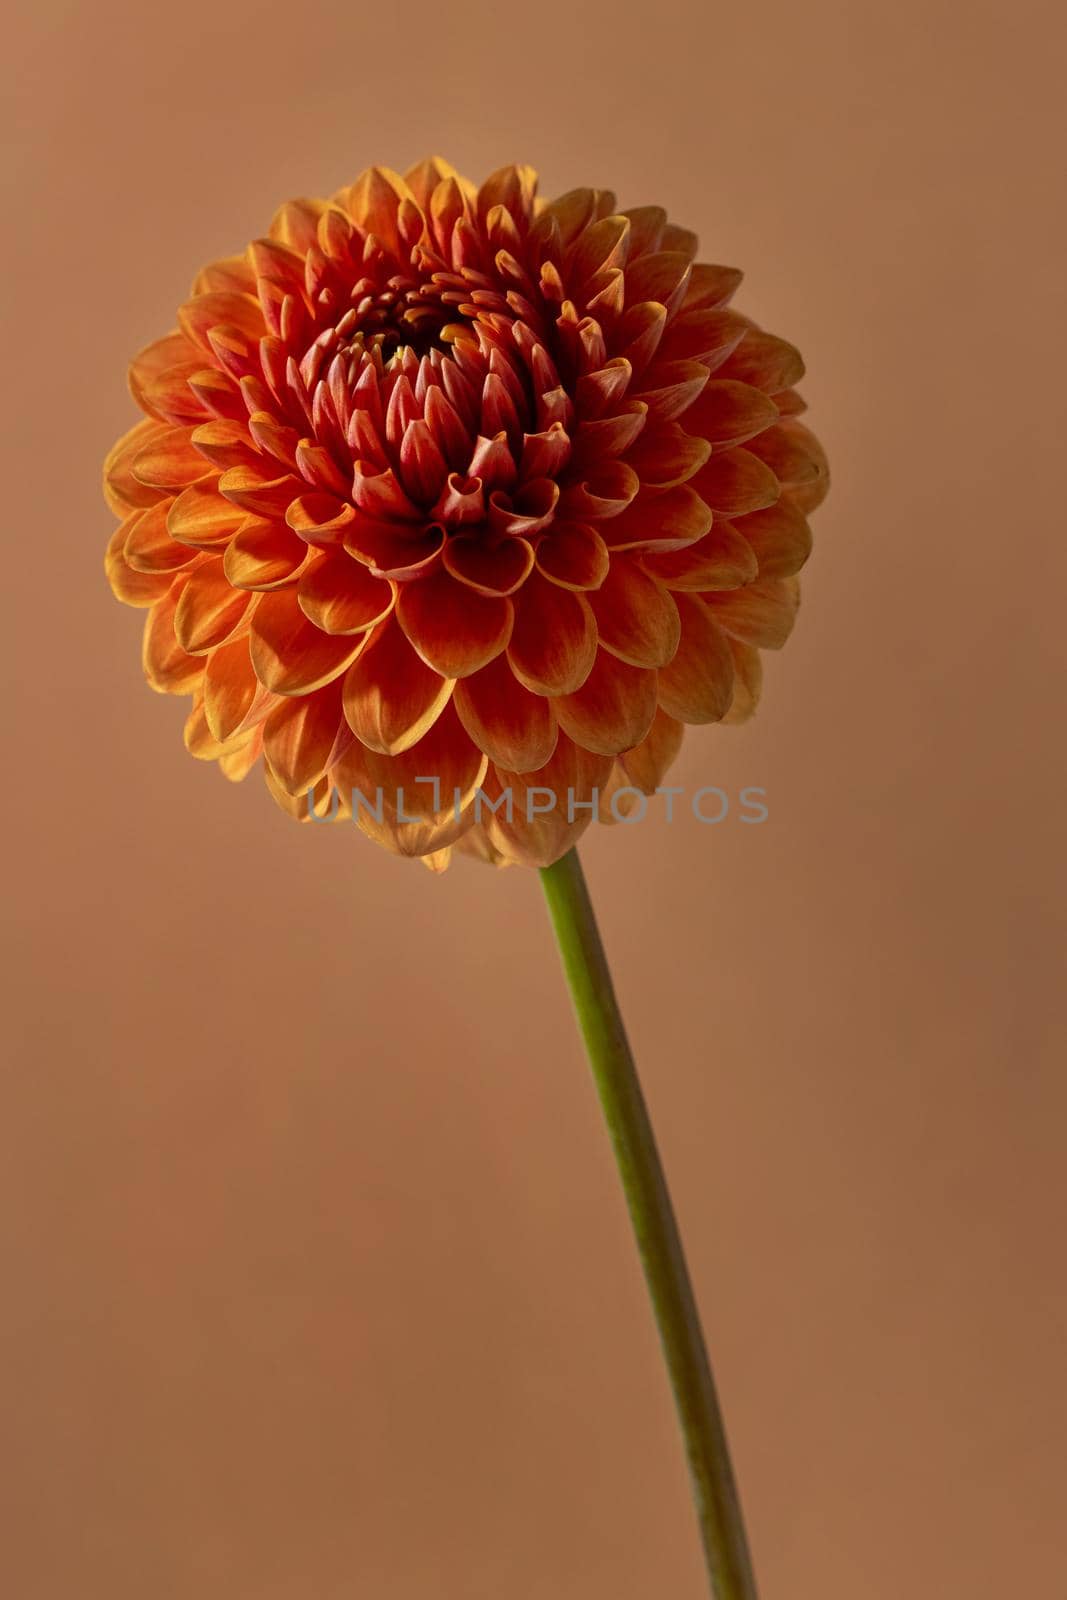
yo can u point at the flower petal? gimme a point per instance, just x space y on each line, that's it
780 539
167 667
735 483
148 546
574 556
231 689
391 697
289 653
723 559
636 618
726 412
454 629
553 644
762 614
265 555
667 519
209 610
698 685
614 708
122 491
340 596
515 728
549 808
302 735
200 517
490 568
646 765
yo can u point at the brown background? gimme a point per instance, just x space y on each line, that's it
316 1280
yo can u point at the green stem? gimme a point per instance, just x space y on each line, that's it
585 964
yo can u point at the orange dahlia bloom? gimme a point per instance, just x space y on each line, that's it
447 482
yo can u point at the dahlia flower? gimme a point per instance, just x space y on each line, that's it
437 480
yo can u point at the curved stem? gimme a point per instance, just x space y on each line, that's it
585 964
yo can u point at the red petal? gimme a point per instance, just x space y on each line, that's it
723 559
763 614
646 765
735 483
667 519
698 685
488 568
574 555
636 618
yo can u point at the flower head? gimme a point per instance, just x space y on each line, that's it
449 483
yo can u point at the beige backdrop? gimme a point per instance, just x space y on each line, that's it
316 1279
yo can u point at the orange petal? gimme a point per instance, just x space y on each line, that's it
394 549
256 490
698 685
761 615
705 336
604 491
735 483
574 556
231 688
711 286
158 379
341 596
206 311
148 546
515 728
780 539
231 275
748 681
797 460
646 765
289 653
550 808
667 519
454 629
669 388
224 442
553 644
614 708
487 567
122 491
723 559
661 275
132 588
167 667
209 610
200 517
265 555
169 461
766 362
666 455
301 736
727 412
635 616
391 697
